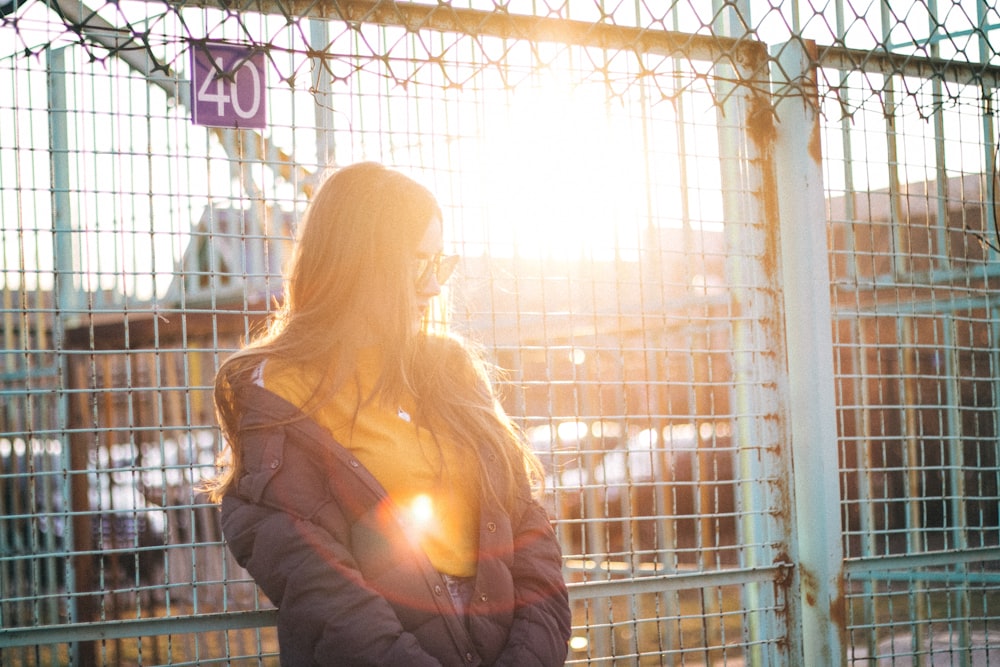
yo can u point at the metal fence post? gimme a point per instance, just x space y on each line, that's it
68 302
745 130
808 320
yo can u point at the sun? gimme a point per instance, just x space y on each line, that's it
561 173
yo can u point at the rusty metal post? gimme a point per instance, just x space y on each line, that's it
746 137
818 552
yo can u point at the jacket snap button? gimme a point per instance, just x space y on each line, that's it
468 657
354 464
492 527
275 463
483 597
437 590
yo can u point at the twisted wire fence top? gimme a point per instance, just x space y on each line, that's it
674 45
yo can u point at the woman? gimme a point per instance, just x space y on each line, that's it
374 488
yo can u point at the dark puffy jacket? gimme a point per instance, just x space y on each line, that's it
320 537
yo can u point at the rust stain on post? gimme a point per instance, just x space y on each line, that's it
762 132
810 96
838 609
809 585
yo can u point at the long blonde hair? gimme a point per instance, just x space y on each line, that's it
454 386
349 285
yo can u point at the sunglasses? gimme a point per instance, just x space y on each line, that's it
440 266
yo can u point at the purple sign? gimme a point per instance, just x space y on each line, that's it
228 86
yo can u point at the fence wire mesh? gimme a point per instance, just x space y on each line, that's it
608 174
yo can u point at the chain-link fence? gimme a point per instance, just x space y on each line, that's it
724 250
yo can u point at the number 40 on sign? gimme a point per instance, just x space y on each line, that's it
228 86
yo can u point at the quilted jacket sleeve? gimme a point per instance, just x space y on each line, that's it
322 598
540 633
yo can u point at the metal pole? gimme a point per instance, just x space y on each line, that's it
983 8
809 340
62 229
943 255
953 458
78 538
319 36
745 129
745 133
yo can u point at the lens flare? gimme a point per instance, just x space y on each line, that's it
422 509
